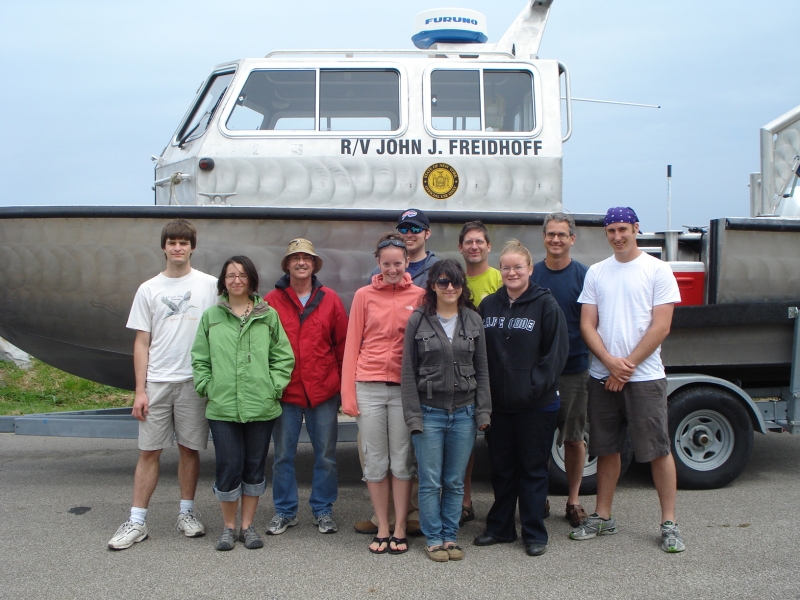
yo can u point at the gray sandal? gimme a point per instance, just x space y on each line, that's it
226 540
250 538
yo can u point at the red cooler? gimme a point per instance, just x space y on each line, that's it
691 277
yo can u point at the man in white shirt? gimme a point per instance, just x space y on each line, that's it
628 301
165 315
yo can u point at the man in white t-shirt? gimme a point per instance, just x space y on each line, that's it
165 315
627 304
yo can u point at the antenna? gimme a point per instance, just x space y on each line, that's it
612 102
669 197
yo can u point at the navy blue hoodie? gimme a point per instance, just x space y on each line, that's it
527 344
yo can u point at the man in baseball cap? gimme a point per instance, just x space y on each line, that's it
415 229
313 391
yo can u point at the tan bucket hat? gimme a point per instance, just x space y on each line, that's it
304 246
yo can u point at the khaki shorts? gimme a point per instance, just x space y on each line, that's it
385 438
174 411
640 409
572 414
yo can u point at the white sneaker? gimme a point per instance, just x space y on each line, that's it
127 535
188 524
280 524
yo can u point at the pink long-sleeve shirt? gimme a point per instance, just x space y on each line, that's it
374 347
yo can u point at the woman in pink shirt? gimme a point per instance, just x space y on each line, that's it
371 387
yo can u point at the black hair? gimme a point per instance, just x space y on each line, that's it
249 270
451 270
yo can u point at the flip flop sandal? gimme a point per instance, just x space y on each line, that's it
380 541
397 542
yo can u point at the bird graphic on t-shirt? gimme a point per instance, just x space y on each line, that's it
180 308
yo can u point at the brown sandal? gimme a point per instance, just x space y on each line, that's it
575 514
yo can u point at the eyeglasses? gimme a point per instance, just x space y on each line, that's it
551 235
232 277
517 269
404 229
392 242
444 282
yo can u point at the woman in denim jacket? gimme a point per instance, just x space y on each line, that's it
445 392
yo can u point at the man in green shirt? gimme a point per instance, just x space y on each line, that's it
482 280
474 246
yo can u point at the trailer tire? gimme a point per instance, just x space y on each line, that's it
558 476
711 436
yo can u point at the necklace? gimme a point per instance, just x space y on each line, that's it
243 316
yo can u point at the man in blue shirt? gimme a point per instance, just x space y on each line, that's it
564 277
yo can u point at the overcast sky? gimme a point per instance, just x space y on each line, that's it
92 89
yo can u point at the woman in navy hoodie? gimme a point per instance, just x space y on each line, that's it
526 345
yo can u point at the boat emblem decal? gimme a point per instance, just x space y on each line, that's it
440 181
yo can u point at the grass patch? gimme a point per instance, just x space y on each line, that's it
43 388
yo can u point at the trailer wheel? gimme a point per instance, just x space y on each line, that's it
558 476
711 436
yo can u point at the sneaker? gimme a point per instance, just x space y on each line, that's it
326 524
188 524
592 526
671 540
226 540
250 538
127 535
280 524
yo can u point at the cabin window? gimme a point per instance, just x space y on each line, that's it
507 100
456 100
205 107
359 100
349 100
275 100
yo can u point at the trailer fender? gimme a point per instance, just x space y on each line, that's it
679 381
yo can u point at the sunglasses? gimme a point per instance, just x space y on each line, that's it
385 243
404 229
444 282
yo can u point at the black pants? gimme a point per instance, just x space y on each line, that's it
519 452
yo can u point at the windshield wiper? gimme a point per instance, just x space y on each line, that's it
210 114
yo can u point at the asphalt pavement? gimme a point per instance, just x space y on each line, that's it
61 499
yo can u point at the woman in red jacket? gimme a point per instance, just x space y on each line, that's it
371 387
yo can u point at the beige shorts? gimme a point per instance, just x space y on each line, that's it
174 411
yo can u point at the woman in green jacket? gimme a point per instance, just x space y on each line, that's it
242 360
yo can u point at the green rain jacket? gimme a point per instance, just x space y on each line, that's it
243 369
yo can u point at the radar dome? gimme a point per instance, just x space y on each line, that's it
449 25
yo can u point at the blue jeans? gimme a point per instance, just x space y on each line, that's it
241 451
323 429
519 453
443 449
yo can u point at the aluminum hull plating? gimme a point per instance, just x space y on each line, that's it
68 277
